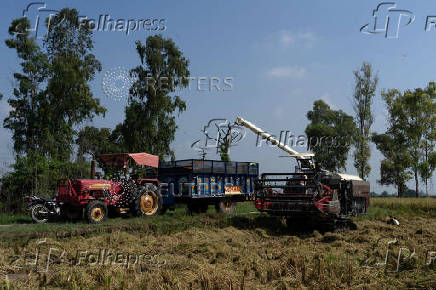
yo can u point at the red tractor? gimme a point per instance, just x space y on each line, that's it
95 197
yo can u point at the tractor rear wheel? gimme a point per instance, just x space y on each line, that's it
96 211
148 201
226 206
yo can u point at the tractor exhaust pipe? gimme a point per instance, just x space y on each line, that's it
93 166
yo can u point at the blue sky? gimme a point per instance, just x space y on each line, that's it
281 56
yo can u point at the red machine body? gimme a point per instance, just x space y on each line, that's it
79 192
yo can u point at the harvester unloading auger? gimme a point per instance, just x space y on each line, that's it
310 193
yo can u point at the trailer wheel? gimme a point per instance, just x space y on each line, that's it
226 206
148 201
192 208
164 210
204 207
96 211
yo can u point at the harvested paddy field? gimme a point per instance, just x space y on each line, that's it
247 250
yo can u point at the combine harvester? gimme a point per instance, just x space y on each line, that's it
310 194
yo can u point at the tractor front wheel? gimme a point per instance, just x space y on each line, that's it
148 201
96 211
39 213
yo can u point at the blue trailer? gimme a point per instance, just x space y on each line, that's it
200 183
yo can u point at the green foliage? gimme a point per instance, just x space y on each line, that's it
52 93
333 132
427 166
225 156
27 118
51 98
393 169
364 92
418 123
91 140
393 145
72 66
225 141
149 123
409 140
36 175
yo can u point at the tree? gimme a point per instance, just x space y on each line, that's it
72 66
393 145
52 94
428 164
225 135
92 140
51 98
364 91
414 121
393 169
149 123
418 124
332 132
45 173
28 100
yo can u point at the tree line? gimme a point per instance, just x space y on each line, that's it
51 100
408 143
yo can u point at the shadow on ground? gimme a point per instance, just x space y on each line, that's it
275 226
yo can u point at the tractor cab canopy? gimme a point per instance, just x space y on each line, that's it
121 160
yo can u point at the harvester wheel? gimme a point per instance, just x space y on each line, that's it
148 201
96 211
226 206
296 225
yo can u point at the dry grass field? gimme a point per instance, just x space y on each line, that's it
247 250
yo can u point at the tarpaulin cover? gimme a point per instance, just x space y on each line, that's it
121 160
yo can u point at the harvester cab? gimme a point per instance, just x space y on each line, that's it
309 193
